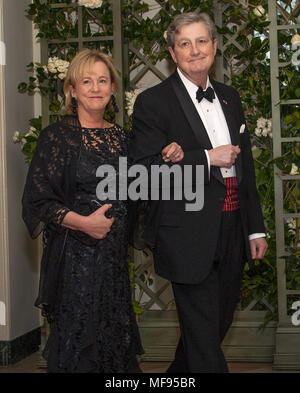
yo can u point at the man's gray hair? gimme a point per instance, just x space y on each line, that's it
187 19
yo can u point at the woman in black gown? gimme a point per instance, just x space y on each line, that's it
84 282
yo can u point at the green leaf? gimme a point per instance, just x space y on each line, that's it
22 87
256 153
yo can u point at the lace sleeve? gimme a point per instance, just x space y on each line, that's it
43 198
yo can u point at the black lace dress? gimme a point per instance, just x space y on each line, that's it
94 329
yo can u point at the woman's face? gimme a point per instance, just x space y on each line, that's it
94 89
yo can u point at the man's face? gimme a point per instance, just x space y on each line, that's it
194 51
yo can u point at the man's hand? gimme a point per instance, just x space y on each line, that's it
224 156
258 247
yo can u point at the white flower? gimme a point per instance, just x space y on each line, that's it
45 68
295 39
257 131
165 35
291 222
16 137
260 122
31 132
61 69
263 127
294 170
90 3
259 11
22 142
52 69
51 64
58 66
130 97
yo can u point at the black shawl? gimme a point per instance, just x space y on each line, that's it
48 196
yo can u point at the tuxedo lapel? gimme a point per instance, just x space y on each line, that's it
190 111
193 118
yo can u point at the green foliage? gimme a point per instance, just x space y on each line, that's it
28 140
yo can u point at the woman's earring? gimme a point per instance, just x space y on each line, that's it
74 106
114 104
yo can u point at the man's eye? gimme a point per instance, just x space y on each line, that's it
185 44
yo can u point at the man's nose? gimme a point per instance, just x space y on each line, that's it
194 49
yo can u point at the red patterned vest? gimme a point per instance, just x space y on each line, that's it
231 201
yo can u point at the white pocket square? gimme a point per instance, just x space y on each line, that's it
242 129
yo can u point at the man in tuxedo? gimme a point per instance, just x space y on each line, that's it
190 119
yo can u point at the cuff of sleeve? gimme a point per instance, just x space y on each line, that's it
208 162
256 235
60 215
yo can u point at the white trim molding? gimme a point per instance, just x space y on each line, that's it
4 245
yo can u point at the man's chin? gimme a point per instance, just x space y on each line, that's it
199 70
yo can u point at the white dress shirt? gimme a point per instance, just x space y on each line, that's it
212 116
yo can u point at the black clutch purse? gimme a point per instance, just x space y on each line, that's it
85 208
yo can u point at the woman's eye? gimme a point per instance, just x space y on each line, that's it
102 80
85 81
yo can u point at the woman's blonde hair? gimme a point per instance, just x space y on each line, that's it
87 58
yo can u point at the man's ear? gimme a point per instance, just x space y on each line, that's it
171 50
215 44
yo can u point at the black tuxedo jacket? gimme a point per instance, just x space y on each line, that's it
184 242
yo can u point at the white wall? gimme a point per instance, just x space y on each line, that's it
19 258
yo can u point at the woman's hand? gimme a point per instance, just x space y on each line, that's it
95 225
173 152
